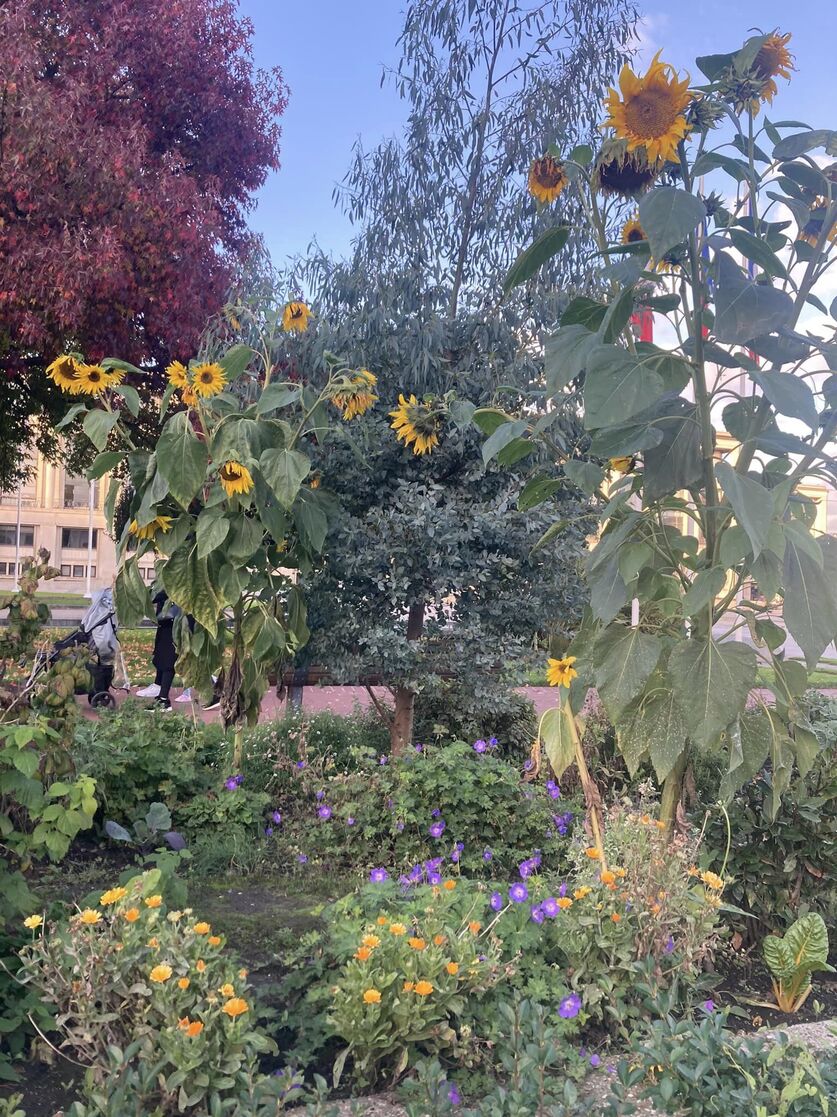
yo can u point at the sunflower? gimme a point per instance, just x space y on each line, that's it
178 375
235 478
356 398
148 531
624 173
547 178
633 232
189 396
415 423
64 372
812 231
560 672
208 380
650 113
93 380
773 60
295 317
622 464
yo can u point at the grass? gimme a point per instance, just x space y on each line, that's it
63 599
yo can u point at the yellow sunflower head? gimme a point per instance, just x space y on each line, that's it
64 372
93 379
356 396
235 478
547 178
650 112
624 173
188 396
178 375
773 60
560 672
208 380
813 229
295 317
415 424
622 464
148 531
633 232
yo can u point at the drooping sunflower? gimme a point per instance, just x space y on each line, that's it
295 317
773 60
633 232
560 672
235 478
415 424
93 380
624 173
64 372
651 111
357 397
148 531
812 231
178 374
188 396
623 464
208 380
547 178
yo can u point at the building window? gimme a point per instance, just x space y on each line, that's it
77 492
8 535
3 567
78 571
66 570
75 538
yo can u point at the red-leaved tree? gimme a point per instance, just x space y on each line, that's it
133 134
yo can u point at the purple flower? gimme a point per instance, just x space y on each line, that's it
434 864
459 847
709 1006
378 876
383 760
418 748
595 1061
537 915
519 893
526 868
455 856
303 859
399 826
562 891
390 804
528 765
437 829
496 901
553 790
350 821
277 817
536 858
434 878
435 813
570 1007
669 945
480 746
320 795
268 831
454 1096
324 813
550 907
562 822
416 873
493 742
232 782
300 764
487 854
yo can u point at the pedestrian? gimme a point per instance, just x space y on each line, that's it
165 655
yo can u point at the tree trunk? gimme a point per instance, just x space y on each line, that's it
401 729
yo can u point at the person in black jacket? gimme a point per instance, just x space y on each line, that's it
165 655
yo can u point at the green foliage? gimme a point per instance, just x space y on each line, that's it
704 1069
453 711
326 740
791 959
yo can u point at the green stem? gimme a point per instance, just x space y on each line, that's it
672 790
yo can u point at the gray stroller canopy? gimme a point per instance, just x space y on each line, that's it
100 622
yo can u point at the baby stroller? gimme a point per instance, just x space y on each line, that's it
98 631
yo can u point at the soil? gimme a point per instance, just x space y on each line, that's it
747 979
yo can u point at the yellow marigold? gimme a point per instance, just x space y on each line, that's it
408 986
382 921
620 873
651 110
112 896
660 824
439 940
64 372
452 968
371 941
615 917
214 940
449 885
415 424
560 672
202 928
423 988
363 954
295 317
200 965
235 1006
646 820
153 942
160 973
474 927
153 901
235 478
712 880
417 944
227 990
33 921
592 852
547 178
90 917
773 60
607 877
397 929
178 374
208 380
183 983
192 1028
564 902
372 997
132 915
583 891
242 973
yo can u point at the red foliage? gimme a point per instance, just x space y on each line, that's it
132 135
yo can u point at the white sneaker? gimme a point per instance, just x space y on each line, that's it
186 696
151 691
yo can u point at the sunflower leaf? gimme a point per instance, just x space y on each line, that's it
668 215
531 259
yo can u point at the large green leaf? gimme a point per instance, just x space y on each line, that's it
131 596
276 396
181 459
809 610
311 521
757 250
235 361
537 490
557 742
712 681
703 590
284 471
186 580
586 475
501 437
653 725
789 395
566 353
104 463
675 463
779 958
744 309
618 385
211 531
668 215
751 503
624 658
750 739
532 259
807 939
608 592
97 426
792 146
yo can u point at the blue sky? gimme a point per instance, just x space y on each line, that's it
332 53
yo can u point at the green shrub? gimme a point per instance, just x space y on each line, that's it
451 712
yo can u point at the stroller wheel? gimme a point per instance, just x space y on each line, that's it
102 698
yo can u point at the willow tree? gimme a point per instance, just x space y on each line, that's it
430 566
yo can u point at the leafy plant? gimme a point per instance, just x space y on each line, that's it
791 959
148 830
